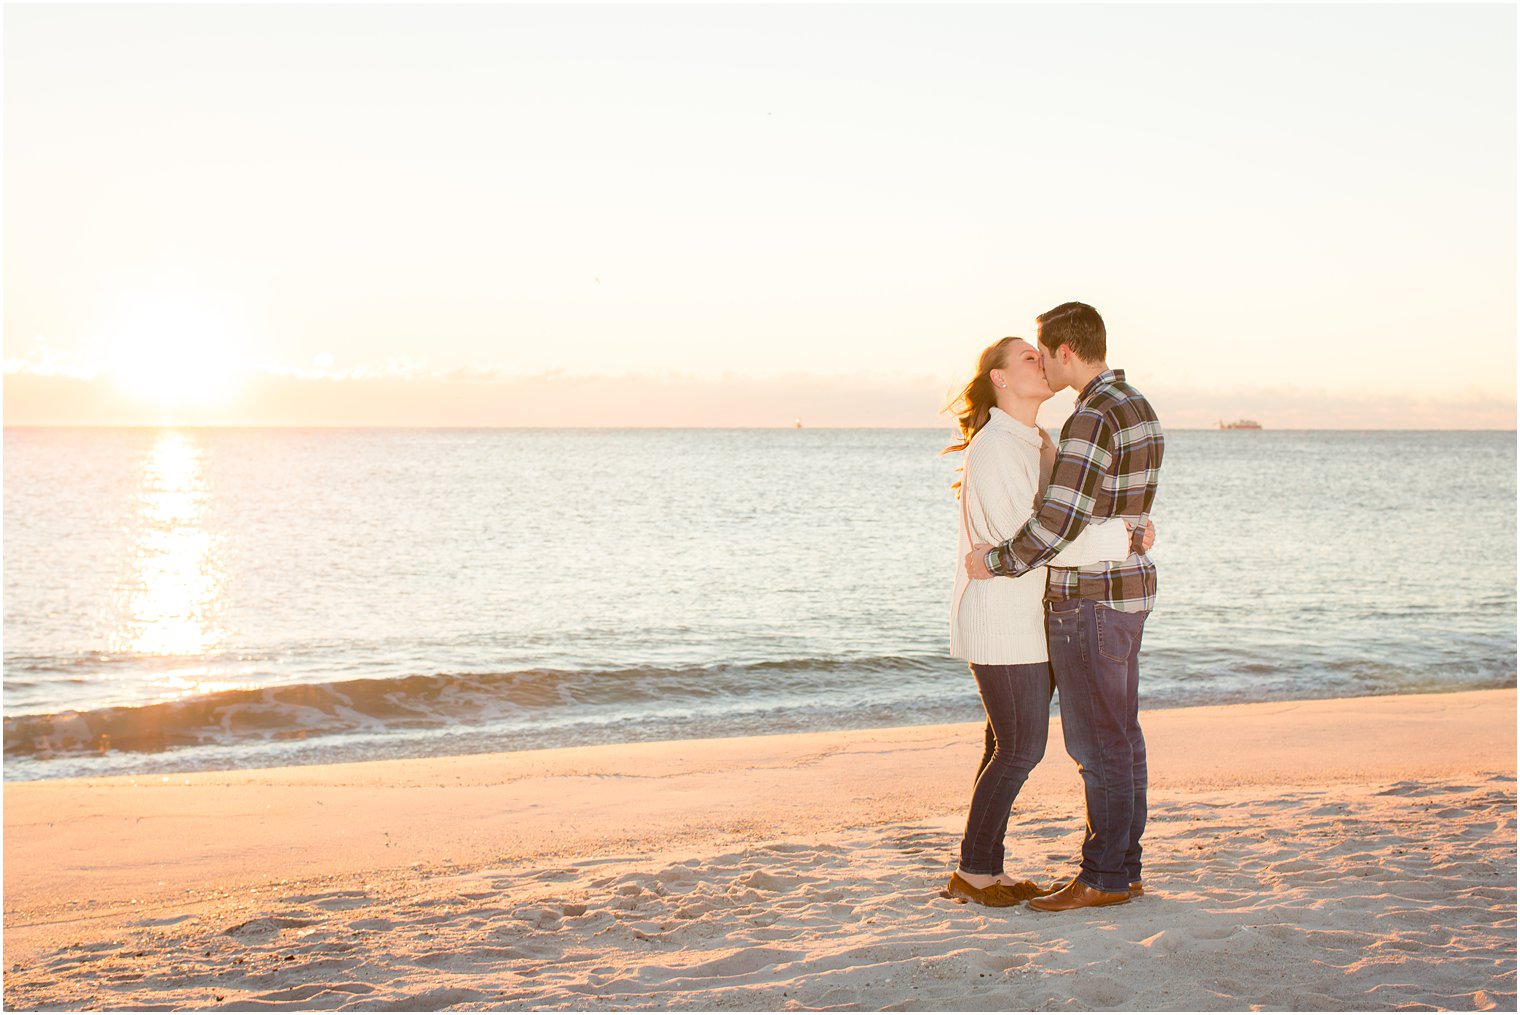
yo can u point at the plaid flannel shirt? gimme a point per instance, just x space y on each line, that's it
1106 467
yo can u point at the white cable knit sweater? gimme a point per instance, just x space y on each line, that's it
1002 620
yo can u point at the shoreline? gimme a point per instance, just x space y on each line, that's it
331 744
135 870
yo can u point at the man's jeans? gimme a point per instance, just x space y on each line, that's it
1017 699
1094 653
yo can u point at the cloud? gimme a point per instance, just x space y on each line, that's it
1291 408
407 393
44 361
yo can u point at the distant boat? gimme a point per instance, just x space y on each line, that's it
797 424
1240 424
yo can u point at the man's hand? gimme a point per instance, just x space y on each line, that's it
976 561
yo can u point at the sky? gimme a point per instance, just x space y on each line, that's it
746 216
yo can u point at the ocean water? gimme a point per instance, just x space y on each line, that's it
184 599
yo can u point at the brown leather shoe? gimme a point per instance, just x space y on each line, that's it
1078 896
1136 889
994 894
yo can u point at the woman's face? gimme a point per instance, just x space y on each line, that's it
1022 372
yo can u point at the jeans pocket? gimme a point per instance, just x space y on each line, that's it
1064 621
1066 632
1116 636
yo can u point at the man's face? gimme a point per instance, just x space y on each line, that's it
1050 364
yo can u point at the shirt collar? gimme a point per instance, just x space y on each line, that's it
1098 383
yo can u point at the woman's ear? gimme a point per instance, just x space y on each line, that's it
997 377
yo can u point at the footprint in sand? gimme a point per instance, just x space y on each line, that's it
697 909
265 926
300 993
1101 992
163 921
465 959
1292 866
433 1000
765 881
603 861
797 847
540 917
743 962
914 841
333 901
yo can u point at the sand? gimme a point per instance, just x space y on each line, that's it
1350 854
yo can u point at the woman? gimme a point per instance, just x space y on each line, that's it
998 625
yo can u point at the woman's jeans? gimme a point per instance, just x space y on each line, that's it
1017 699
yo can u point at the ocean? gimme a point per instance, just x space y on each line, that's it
180 599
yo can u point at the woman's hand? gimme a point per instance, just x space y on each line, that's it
1147 537
976 561
1047 459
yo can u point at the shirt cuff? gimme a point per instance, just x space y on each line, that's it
1004 564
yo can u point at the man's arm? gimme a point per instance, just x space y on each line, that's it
1083 457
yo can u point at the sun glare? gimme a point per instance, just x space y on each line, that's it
176 584
176 357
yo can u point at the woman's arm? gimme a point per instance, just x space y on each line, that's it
1099 541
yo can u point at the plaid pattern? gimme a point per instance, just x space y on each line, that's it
1106 467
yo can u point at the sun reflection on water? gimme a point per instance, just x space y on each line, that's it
175 584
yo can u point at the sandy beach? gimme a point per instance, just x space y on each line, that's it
1345 854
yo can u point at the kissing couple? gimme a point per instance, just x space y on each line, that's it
1052 591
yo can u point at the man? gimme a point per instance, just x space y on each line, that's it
1106 467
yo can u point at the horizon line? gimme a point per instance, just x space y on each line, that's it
446 426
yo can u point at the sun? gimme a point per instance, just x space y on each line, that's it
176 355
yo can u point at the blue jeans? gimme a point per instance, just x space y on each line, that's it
1094 653
1017 700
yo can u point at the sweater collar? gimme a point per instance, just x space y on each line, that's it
1001 420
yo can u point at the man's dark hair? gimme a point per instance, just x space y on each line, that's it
1076 325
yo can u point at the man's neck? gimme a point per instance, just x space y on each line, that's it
1083 372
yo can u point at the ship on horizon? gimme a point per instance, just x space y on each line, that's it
1240 424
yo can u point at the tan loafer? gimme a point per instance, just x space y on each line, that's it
1078 896
995 894
1032 888
1136 889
